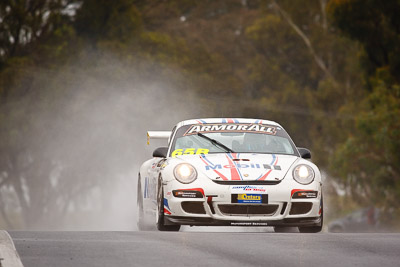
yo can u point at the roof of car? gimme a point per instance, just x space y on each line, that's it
226 120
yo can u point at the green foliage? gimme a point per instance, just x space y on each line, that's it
375 24
367 160
108 20
376 143
281 57
24 23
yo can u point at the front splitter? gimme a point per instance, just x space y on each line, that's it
202 221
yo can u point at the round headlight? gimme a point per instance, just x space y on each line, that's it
185 173
303 174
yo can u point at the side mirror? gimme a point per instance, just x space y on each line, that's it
160 152
304 153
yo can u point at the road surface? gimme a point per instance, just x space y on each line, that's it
205 249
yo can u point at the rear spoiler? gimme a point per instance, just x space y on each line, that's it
157 135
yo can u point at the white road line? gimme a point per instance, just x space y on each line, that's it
8 254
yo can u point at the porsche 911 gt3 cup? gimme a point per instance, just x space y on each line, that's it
238 172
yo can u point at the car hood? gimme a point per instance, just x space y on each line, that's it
241 166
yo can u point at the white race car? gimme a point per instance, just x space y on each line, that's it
238 172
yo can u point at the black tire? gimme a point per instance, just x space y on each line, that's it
315 229
140 214
160 218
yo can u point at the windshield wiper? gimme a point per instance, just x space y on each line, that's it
216 143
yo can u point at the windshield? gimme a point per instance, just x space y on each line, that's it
238 138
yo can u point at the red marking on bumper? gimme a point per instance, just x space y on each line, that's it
297 190
167 211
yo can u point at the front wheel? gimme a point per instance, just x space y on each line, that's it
314 229
160 211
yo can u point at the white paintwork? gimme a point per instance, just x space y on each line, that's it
157 168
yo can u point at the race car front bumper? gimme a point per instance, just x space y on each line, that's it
215 205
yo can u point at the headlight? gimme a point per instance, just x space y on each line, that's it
185 173
303 174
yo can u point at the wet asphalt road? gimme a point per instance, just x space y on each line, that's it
205 249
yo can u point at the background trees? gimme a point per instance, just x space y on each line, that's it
373 174
81 82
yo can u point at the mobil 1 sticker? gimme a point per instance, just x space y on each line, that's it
249 189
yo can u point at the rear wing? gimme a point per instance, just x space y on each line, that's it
158 135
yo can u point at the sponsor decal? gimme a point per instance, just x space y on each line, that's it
243 166
299 193
187 194
208 163
189 151
231 127
305 195
249 198
248 189
249 223
235 168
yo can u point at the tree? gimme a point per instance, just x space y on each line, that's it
376 25
25 22
104 20
367 160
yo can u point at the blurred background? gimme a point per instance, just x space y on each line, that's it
82 81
